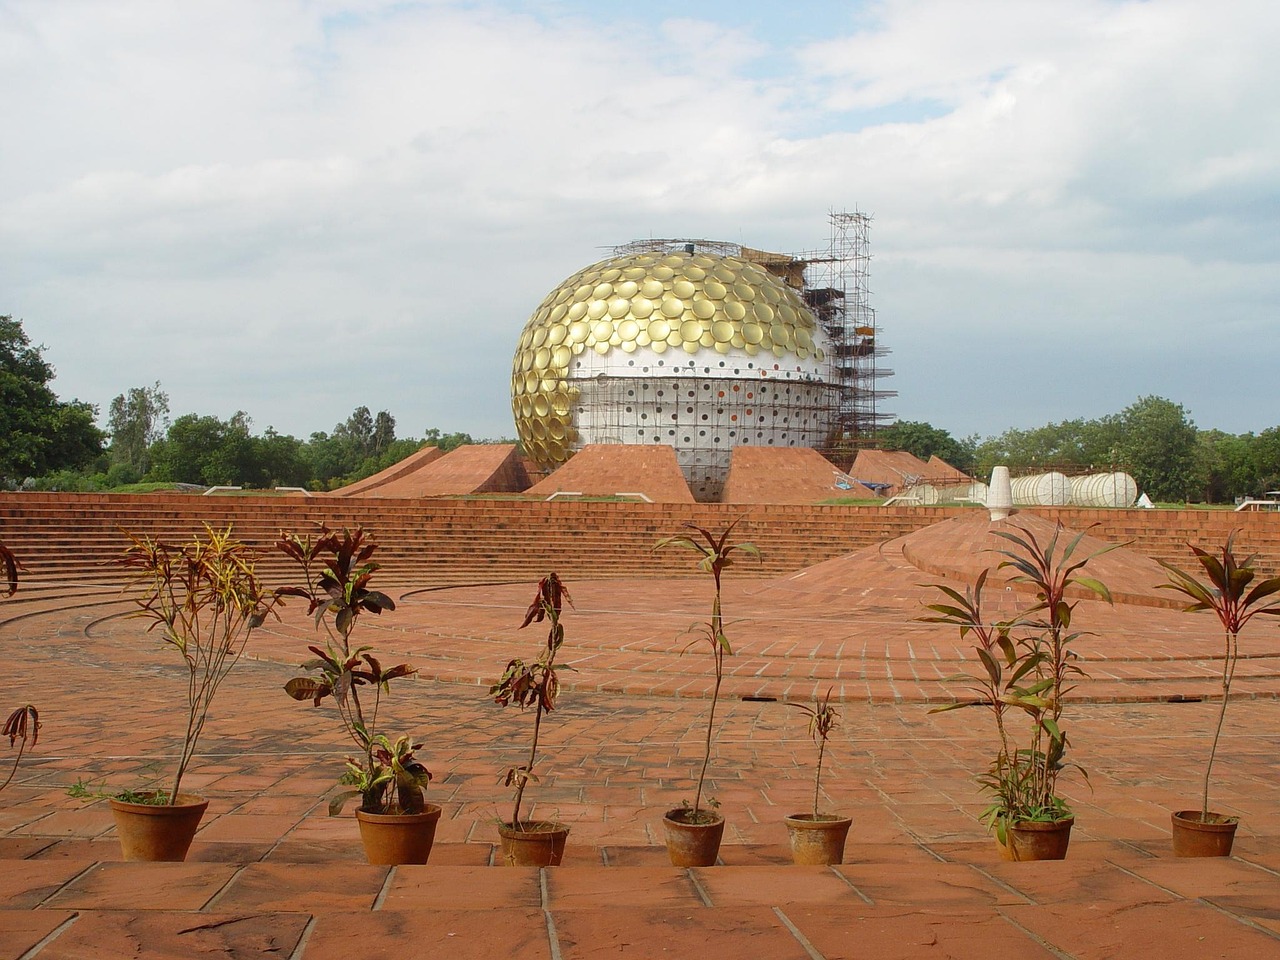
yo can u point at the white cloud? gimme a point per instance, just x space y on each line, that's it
297 207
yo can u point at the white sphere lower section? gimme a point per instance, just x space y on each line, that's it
703 405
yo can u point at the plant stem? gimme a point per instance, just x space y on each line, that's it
817 777
1228 671
717 629
528 770
711 722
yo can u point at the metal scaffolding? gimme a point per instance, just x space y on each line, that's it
838 292
834 283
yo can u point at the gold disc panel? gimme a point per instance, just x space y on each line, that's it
688 302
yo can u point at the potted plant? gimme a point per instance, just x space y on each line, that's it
24 722
205 600
1226 591
397 825
818 838
1028 669
534 842
693 833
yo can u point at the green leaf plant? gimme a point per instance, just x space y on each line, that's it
24 723
1028 669
1225 591
337 569
536 683
823 718
205 600
716 552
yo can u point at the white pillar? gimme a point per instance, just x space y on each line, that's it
1000 494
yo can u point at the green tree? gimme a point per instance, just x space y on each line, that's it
75 442
1156 441
327 458
1265 456
1228 465
136 420
38 432
384 432
279 461
1072 445
924 440
446 441
205 450
357 431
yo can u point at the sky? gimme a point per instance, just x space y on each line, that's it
297 207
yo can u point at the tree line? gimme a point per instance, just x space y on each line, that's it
47 443
1153 439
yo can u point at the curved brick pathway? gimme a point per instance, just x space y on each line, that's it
270 874
849 625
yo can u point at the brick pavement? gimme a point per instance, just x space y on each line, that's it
271 874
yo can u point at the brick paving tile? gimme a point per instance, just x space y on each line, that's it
518 933
144 886
322 830
21 930
569 889
304 851
750 885
912 933
1176 931
71 823
1265 852
280 804
19 848
1261 908
289 887
945 886
156 935
1208 877
461 854
1079 881
29 883
237 828
648 856
731 933
463 888
86 850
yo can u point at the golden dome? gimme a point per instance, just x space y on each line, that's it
651 302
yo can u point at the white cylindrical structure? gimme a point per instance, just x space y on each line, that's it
1000 494
927 493
1104 490
1051 489
975 491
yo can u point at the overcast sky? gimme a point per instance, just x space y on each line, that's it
295 208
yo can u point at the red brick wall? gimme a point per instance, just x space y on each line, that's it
69 535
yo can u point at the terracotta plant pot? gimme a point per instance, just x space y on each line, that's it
1193 837
537 843
393 838
692 844
816 841
1038 840
158 831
